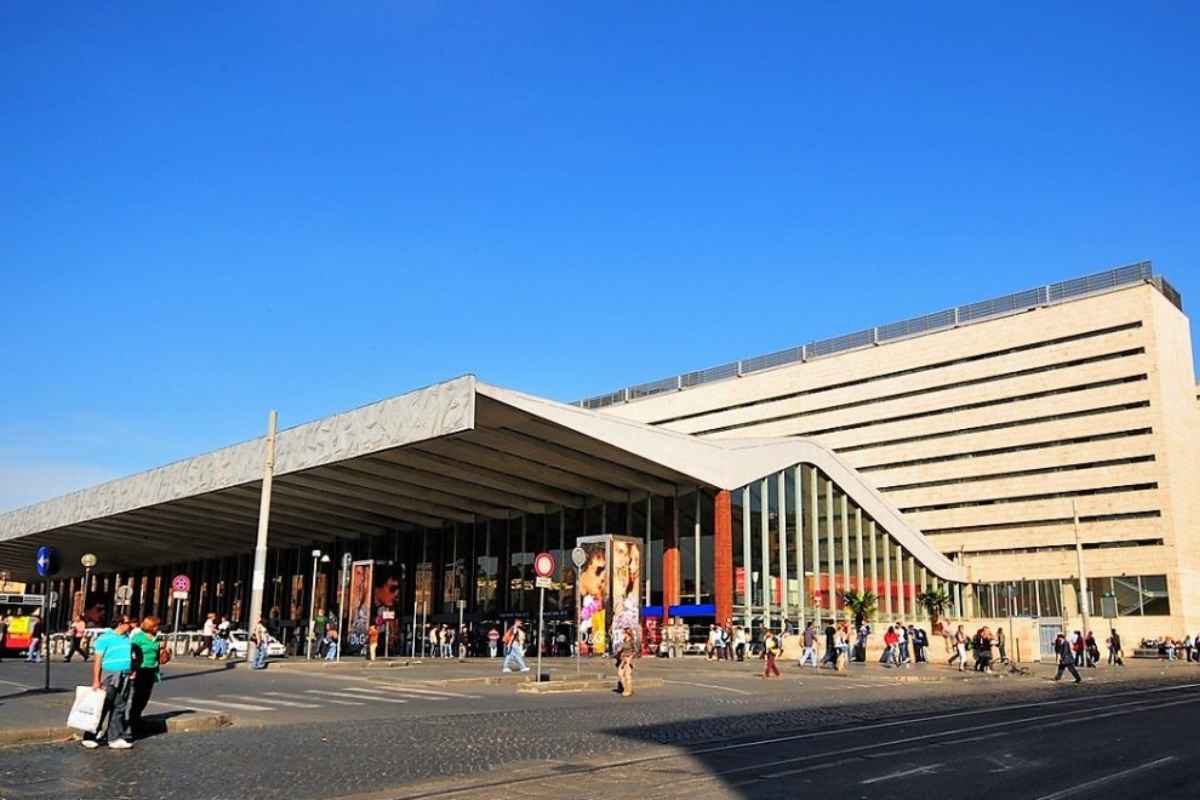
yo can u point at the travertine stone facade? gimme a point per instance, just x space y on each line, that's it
984 435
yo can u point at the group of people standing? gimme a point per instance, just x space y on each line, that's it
214 637
126 666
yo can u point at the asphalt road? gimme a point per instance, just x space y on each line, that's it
710 732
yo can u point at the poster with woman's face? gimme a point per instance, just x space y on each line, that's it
592 595
626 594
360 604
296 604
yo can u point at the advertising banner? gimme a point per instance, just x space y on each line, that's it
360 605
608 593
296 607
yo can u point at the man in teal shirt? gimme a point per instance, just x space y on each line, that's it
113 667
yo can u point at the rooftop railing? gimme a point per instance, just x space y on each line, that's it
1014 303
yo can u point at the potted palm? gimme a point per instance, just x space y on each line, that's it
862 605
934 601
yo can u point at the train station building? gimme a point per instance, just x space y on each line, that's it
986 450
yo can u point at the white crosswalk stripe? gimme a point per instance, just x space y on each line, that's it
376 694
269 699
359 694
430 692
348 699
198 701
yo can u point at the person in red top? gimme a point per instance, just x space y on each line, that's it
890 640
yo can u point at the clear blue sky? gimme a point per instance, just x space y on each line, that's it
210 212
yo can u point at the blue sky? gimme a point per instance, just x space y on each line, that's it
210 212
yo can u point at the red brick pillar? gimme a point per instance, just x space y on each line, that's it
723 556
670 555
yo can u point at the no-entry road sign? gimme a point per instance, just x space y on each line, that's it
543 565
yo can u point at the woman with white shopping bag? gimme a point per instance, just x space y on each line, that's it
113 669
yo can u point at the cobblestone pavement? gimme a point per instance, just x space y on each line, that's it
490 737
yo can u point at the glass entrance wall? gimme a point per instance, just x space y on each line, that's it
800 543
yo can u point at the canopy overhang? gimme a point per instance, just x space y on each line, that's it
452 452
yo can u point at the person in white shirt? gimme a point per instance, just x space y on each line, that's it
206 635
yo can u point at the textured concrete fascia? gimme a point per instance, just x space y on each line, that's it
427 413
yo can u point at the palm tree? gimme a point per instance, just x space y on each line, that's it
861 603
934 601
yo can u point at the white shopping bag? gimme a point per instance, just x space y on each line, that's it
87 709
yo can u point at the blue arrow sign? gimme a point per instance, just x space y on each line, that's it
47 561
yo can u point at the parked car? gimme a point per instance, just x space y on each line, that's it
239 639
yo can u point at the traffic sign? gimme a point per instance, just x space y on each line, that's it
544 582
179 595
181 583
124 594
48 562
543 565
88 560
579 557
387 614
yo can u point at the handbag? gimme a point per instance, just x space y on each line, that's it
87 709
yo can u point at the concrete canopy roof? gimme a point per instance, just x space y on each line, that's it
450 452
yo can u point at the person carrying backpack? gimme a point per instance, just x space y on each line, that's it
1066 658
514 648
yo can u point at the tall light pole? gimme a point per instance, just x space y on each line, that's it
88 561
343 601
312 600
258 578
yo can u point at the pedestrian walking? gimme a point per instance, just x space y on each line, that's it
260 638
78 631
514 648
831 653
982 646
33 653
771 651
960 649
150 656
1091 651
331 643
739 642
207 632
4 620
1066 658
810 646
1001 643
112 670
372 642
841 641
1115 655
902 632
625 655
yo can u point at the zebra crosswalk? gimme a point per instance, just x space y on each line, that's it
315 699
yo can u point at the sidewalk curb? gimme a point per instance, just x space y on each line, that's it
208 721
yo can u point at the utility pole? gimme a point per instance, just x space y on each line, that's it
1082 589
258 580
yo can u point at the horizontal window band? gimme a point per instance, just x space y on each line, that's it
996 426
1016 448
1078 362
1058 548
1021 473
1003 401
1030 498
1042 523
1075 337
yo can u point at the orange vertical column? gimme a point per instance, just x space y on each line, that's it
723 556
670 555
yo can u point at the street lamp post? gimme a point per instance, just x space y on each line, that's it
312 600
88 561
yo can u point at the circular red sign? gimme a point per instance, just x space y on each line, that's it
181 583
543 565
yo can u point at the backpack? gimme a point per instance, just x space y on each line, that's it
508 637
